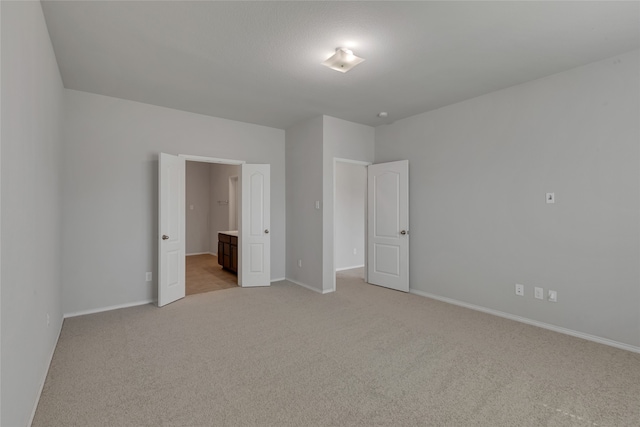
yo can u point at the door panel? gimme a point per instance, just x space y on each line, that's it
387 204
257 258
171 233
387 259
254 238
256 200
388 225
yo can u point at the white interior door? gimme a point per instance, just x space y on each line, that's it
254 264
388 225
233 203
171 235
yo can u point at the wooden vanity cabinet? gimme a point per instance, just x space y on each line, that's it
228 251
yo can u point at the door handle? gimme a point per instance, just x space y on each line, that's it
403 232
266 231
165 237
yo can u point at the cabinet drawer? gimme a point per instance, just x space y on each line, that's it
225 238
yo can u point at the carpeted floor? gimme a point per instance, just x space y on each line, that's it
204 274
362 356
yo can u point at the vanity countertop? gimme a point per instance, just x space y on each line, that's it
229 233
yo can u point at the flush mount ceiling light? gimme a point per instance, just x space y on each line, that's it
343 60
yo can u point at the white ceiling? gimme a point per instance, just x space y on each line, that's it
259 62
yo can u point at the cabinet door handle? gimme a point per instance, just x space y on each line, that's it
165 237
266 231
403 232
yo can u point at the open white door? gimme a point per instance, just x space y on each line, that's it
171 234
254 264
388 225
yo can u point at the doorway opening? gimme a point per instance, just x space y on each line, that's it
211 194
386 240
350 212
253 250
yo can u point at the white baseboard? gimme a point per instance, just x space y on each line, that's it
349 268
311 288
202 253
112 307
44 377
130 304
532 322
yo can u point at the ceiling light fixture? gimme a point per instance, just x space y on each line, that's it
343 60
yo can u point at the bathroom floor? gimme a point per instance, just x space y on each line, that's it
204 274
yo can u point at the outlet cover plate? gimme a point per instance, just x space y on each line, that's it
519 290
553 296
538 293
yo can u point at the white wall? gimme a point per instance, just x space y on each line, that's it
30 211
198 197
304 187
219 219
479 171
351 188
311 149
110 190
343 140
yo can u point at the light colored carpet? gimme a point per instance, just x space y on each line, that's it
204 274
363 356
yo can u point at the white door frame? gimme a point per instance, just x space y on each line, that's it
333 223
202 159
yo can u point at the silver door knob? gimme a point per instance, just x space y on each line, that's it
266 231
165 237
403 232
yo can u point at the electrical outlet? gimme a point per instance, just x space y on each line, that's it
355 251
519 290
538 293
148 276
299 263
553 296
48 319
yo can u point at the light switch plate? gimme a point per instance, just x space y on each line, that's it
551 197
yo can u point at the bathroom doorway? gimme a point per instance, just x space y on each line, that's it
211 209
